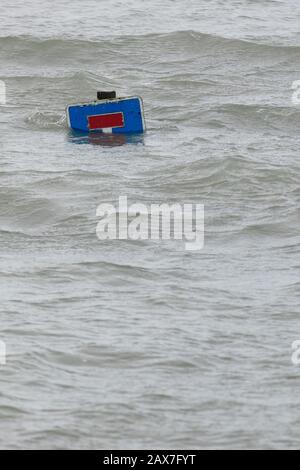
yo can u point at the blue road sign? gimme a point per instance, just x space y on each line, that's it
117 116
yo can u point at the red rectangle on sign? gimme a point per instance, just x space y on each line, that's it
104 121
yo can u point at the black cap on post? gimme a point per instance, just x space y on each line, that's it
106 95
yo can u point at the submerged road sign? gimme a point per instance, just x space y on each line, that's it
117 116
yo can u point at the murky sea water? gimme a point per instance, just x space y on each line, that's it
142 344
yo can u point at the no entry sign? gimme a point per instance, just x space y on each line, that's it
118 116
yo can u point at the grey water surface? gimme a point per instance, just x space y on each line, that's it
142 344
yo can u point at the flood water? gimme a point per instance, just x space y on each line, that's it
143 344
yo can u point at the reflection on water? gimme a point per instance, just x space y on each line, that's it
104 140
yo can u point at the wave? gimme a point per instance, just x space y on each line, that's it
258 115
47 120
57 47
